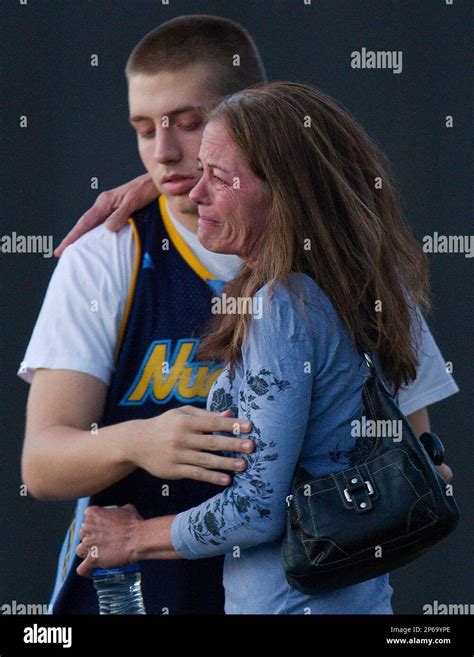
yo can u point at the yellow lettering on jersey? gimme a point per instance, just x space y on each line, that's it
202 381
182 378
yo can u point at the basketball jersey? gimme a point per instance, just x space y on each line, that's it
167 311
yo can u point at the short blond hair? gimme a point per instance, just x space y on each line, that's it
192 39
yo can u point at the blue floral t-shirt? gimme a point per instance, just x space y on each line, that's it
300 383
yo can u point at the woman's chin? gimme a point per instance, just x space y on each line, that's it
209 241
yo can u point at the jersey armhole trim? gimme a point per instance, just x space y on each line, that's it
131 290
68 549
180 245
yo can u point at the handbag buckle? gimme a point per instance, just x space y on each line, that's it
368 486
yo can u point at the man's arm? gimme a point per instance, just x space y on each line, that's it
114 207
433 381
65 458
419 421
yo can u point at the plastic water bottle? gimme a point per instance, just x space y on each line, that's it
119 590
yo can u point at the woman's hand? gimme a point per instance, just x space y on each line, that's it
108 538
113 537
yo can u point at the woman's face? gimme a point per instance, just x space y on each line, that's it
232 201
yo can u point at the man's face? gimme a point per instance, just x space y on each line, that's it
233 202
166 110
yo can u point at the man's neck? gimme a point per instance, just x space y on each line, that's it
186 219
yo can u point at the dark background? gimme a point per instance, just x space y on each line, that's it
77 129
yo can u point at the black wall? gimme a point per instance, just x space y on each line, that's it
77 128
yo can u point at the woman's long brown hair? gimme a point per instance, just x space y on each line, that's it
328 184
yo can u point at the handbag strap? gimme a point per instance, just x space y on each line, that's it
368 359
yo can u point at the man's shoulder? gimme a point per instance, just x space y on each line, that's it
98 239
100 255
101 250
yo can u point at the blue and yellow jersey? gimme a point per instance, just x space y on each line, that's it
167 310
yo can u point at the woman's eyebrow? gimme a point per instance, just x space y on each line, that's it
212 165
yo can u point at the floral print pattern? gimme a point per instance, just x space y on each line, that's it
208 524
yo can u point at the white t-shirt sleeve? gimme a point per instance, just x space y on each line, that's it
78 324
432 382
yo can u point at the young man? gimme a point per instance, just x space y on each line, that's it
144 293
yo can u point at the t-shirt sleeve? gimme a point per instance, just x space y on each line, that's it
77 327
433 382
275 395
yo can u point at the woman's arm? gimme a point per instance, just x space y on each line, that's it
275 395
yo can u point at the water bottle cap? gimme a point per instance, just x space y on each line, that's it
132 568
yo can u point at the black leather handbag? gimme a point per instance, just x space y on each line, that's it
365 521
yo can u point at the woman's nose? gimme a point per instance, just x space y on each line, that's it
198 194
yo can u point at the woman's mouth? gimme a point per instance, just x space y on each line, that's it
205 221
